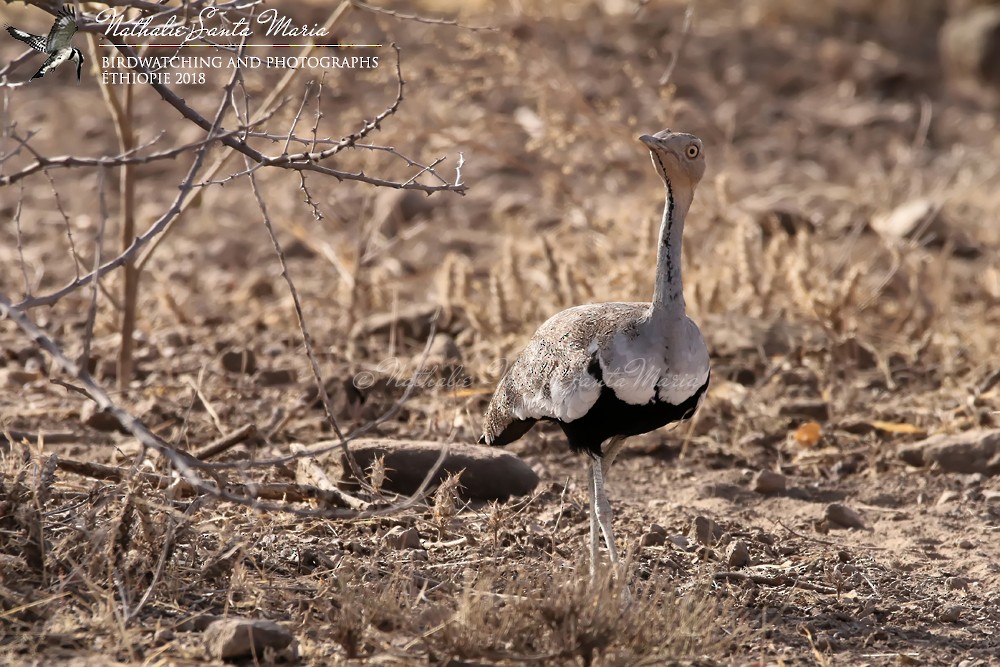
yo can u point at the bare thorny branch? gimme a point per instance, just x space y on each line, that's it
250 128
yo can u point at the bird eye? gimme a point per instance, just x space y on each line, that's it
692 151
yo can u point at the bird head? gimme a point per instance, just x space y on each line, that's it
678 157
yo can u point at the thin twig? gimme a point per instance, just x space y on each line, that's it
676 55
303 329
419 19
226 442
88 334
20 243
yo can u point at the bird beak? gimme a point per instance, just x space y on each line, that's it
650 141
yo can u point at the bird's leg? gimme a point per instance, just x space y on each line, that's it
614 446
594 537
604 514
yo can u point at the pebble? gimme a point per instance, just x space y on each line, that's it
843 516
738 554
950 614
966 544
239 637
705 531
402 538
239 361
947 497
957 583
277 376
99 420
768 481
680 541
969 452
970 662
817 410
12 377
652 539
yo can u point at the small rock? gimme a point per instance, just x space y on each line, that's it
487 473
738 554
705 531
970 46
298 249
970 662
855 426
35 365
768 481
843 516
957 583
403 538
947 497
972 495
239 361
107 369
163 635
966 544
100 420
853 350
991 496
951 614
12 377
277 376
680 541
974 480
238 637
652 539
976 451
911 220
808 409
260 287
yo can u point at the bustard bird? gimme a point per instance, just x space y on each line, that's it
58 44
608 371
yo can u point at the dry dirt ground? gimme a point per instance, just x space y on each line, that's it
833 348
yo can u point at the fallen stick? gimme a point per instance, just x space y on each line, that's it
288 492
54 438
308 472
226 442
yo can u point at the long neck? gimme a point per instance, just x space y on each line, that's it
668 293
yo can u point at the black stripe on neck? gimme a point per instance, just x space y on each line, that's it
670 202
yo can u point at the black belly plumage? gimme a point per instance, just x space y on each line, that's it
610 417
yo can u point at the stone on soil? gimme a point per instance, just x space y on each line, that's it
843 516
705 531
768 481
738 554
241 637
403 538
239 361
976 451
652 539
487 473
